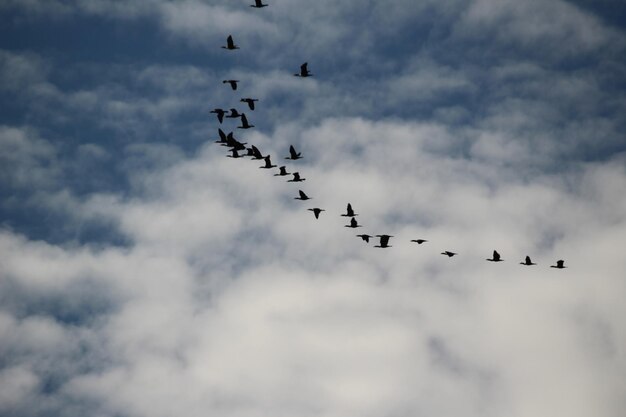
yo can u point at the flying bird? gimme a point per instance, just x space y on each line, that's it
268 163
384 241
353 223
495 257
419 241
220 114
249 101
255 152
316 211
244 122
366 238
304 71
527 261
349 211
283 172
230 44
233 83
450 254
258 4
559 264
235 154
293 155
234 114
231 142
223 138
296 178
302 196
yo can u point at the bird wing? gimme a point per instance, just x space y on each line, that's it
496 256
244 120
349 210
302 195
303 68
296 176
384 239
229 42
292 152
353 222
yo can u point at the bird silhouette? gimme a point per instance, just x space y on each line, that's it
349 211
283 172
527 261
495 257
223 138
234 114
559 264
353 223
255 152
316 211
231 142
450 254
258 4
366 238
304 71
233 83
230 44
302 196
244 122
293 155
419 241
296 178
234 154
384 241
220 114
268 163
250 102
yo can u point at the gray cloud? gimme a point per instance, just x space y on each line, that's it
188 283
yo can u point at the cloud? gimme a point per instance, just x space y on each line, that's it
144 273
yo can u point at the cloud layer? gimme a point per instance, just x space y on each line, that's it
144 274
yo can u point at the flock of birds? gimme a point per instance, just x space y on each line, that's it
236 147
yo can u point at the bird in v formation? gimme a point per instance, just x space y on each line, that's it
230 141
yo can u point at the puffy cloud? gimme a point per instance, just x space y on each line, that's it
169 279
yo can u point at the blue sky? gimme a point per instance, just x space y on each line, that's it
143 273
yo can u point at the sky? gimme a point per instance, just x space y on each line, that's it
144 273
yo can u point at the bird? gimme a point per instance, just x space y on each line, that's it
230 44
258 4
366 238
419 241
559 264
316 211
527 261
223 138
384 241
231 142
304 71
296 178
353 223
255 152
235 154
450 254
302 196
244 122
268 163
293 155
233 83
234 114
349 211
250 102
495 257
220 114
283 172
